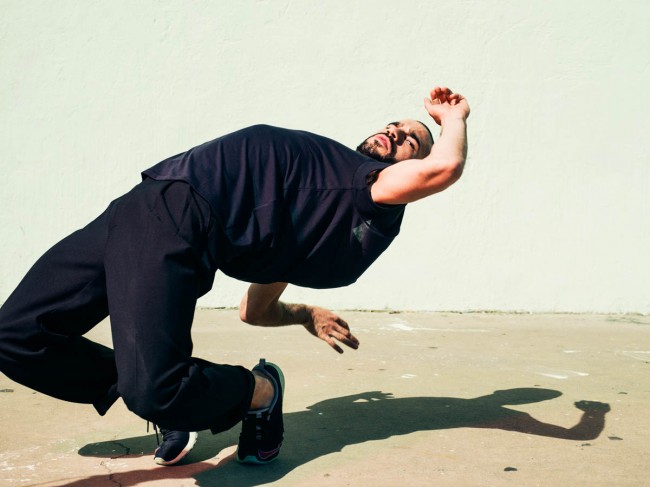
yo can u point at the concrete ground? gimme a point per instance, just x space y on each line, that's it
428 399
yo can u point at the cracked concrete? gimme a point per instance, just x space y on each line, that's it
457 399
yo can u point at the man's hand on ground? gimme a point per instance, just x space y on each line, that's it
592 406
329 327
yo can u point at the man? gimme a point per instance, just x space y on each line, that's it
265 205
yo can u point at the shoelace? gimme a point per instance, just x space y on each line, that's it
258 422
155 428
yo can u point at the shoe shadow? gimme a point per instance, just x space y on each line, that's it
329 426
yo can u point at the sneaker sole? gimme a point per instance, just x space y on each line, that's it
251 459
190 444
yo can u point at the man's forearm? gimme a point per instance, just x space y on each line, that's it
261 306
283 314
452 144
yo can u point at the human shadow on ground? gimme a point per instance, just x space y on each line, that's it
329 426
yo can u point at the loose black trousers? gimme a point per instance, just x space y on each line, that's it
144 262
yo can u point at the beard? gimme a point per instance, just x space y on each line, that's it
371 149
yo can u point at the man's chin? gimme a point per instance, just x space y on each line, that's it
371 151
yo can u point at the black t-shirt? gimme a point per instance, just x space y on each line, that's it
291 206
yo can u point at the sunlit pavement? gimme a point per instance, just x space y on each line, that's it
428 399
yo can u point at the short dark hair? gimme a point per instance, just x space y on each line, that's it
430 134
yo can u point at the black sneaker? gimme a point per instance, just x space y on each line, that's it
262 429
175 445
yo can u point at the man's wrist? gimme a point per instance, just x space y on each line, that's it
453 118
294 314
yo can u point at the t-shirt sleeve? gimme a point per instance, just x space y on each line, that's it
365 175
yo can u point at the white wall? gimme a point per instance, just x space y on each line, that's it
552 213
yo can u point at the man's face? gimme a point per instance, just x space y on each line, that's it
398 141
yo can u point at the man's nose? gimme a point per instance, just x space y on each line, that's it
396 134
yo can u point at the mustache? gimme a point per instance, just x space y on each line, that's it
391 142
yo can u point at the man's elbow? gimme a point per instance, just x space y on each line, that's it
247 316
455 171
448 175
250 316
243 315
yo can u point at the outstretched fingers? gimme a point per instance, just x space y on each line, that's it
345 338
331 329
339 331
330 341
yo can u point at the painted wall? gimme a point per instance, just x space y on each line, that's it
552 213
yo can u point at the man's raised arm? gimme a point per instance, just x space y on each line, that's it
414 179
261 306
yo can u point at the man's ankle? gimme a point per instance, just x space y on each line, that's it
263 393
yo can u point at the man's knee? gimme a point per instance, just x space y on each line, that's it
16 343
